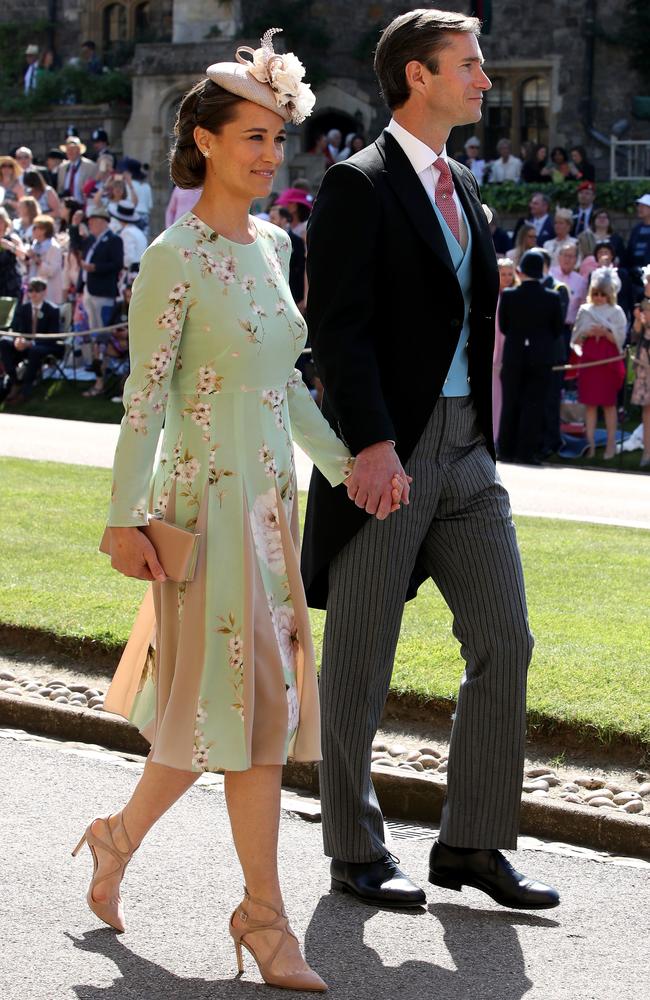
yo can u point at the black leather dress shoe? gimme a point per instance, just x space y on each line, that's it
490 872
380 883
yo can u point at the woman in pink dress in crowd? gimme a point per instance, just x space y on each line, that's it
599 330
507 279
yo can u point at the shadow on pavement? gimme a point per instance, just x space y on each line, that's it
144 980
482 944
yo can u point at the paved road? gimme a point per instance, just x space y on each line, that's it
184 882
571 494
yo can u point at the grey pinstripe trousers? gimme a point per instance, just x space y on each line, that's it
459 520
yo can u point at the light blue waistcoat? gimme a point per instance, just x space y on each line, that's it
457 381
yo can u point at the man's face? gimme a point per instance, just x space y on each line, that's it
604 258
73 152
504 149
24 158
537 206
37 297
568 259
334 138
472 152
586 197
643 211
454 95
97 225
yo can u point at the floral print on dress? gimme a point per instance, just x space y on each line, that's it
235 660
214 338
201 746
265 525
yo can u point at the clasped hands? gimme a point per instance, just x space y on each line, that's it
378 484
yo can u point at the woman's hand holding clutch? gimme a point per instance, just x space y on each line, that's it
133 555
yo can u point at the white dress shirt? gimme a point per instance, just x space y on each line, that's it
421 158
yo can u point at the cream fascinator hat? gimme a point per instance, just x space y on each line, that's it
267 78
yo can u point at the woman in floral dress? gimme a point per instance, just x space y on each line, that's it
214 337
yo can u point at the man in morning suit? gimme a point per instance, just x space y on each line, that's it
532 321
401 316
33 317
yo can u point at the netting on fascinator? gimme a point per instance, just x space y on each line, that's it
283 72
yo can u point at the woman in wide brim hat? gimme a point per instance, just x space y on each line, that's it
233 685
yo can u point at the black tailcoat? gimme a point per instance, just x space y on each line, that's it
385 311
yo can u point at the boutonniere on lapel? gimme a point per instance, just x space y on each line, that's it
39 314
489 214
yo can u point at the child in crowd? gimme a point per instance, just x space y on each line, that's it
599 330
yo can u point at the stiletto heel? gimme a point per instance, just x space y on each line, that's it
308 980
240 957
79 845
108 910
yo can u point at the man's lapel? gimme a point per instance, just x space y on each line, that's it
414 199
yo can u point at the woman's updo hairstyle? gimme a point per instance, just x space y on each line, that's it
210 107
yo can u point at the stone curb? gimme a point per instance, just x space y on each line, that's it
402 796
100 660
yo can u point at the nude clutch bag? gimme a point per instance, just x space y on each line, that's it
177 548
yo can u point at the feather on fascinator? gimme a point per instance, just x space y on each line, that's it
268 78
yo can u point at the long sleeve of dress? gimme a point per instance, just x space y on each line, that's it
156 317
313 433
617 323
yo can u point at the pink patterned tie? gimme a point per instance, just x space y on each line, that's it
445 197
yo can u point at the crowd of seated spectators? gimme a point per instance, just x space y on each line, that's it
73 229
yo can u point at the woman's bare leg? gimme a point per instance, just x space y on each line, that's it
253 799
610 424
591 413
156 792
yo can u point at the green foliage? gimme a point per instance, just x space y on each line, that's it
14 38
512 199
304 33
70 85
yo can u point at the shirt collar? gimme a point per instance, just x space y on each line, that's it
419 154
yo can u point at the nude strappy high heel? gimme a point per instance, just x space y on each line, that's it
108 910
307 980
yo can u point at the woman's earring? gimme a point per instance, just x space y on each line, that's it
206 152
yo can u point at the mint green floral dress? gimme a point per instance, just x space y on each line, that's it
214 336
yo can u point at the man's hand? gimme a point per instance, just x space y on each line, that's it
90 267
373 483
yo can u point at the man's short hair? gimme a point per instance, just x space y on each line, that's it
546 255
37 285
540 194
89 45
418 35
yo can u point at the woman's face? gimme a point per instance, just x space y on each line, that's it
562 227
530 239
506 276
358 144
558 157
542 154
39 233
246 153
7 175
601 221
23 214
3 227
604 258
576 156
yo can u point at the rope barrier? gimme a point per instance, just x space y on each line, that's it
65 335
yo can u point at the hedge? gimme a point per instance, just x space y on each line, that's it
512 199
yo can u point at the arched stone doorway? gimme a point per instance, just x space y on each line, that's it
329 118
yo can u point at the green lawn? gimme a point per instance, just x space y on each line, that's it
587 591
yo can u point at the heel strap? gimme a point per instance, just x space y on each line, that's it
280 923
123 857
